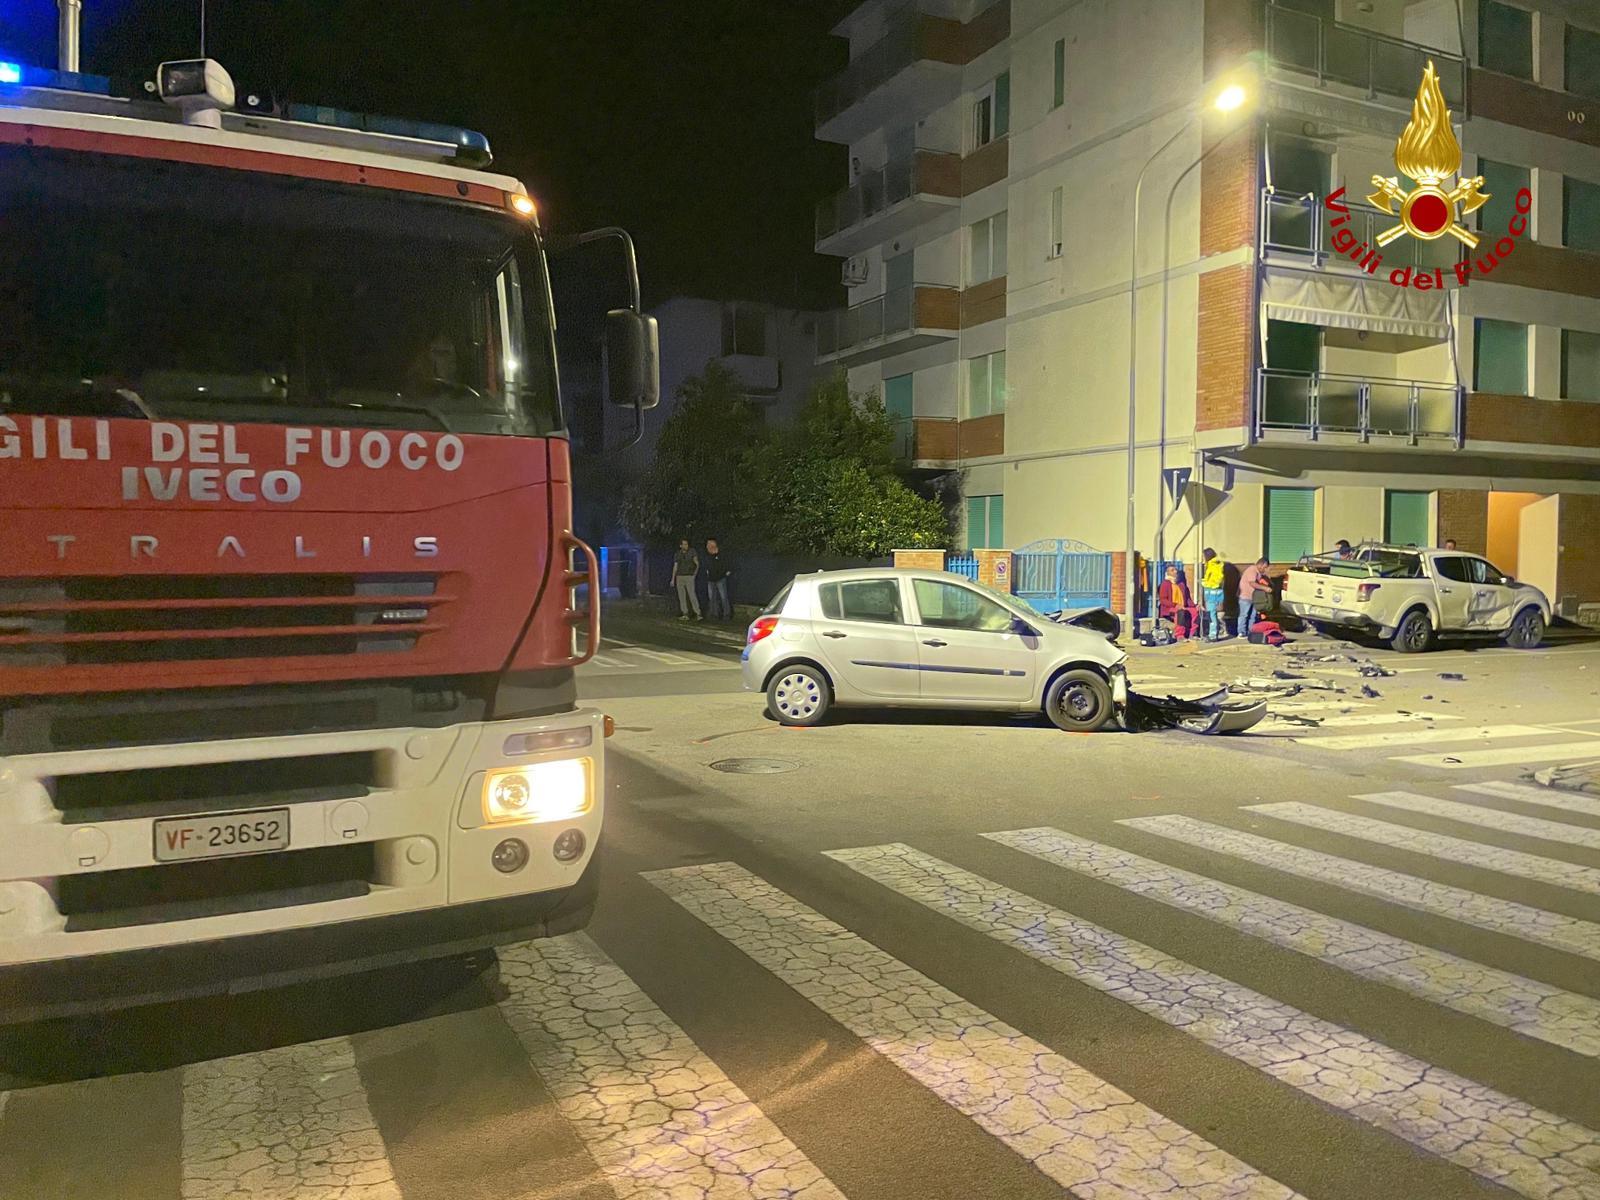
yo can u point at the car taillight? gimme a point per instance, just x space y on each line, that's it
760 628
1364 590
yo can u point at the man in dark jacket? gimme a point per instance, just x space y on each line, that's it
717 572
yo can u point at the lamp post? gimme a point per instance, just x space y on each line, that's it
1228 98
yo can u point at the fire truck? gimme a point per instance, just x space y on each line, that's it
290 601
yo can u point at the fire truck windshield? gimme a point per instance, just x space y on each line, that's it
139 287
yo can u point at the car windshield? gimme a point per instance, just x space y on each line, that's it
132 287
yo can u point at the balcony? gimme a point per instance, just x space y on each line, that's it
926 443
1303 47
1497 97
1347 409
1296 229
912 70
887 202
903 319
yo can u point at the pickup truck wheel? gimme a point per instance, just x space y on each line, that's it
1527 629
1413 634
1079 702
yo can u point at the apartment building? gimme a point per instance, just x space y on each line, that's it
1284 394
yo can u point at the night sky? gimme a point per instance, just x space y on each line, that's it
686 121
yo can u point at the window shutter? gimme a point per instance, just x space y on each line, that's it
1405 518
1291 523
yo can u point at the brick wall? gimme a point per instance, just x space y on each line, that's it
994 569
1225 347
1230 192
1119 582
1234 32
1578 564
1464 516
1495 418
920 560
983 302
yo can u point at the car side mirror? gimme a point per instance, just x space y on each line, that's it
632 359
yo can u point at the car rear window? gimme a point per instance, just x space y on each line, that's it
779 600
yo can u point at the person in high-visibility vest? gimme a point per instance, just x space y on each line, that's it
1211 579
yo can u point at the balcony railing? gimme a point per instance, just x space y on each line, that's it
925 439
1317 404
1298 225
903 43
894 312
926 172
1359 58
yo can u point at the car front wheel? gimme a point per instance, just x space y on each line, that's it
1527 629
1078 701
798 695
1414 633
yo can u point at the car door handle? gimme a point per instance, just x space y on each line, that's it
1446 591
834 633
935 642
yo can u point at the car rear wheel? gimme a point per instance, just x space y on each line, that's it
1078 701
798 695
1527 629
1414 633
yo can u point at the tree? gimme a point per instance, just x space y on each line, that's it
698 484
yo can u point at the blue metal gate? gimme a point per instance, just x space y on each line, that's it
962 564
1056 574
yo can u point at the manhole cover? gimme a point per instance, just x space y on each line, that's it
754 766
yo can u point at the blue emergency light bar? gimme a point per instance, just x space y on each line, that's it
10 72
65 81
471 147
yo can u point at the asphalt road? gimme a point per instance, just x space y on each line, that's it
1350 955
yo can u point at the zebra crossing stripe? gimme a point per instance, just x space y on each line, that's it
1534 867
1420 737
1523 921
1504 756
1504 1140
658 1116
1488 818
1072 1125
1549 797
1357 720
291 1123
1537 1010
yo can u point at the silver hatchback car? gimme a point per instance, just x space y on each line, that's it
891 638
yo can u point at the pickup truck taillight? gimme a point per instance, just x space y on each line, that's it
760 628
1364 590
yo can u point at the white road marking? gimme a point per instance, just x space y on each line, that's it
1537 1010
1074 1126
1488 818
1395 718
1533 867
1507 756
1496 1136
1534 794
1523 921
1311 706
657 1115
290 1123
1421 737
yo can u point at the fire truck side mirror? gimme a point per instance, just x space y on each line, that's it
633 359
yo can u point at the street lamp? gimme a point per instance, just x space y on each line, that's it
1229 96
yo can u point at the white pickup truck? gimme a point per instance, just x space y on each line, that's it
1410 597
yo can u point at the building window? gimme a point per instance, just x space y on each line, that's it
1405 519
1057 223
1580 365
986 522
897 397
1583 62
1059 96
1500 358
987 259
991 112
1502 181
1505 39
744 330
986 384
1580 220
1291 520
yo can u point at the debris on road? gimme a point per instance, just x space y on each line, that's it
1370 692
1280 673
1452 676
1373 671
1206 714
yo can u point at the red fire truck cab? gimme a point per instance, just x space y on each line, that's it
290 602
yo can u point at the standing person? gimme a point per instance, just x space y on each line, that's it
1211 577
1449 543
684 566
1343 549
717 572
1254 578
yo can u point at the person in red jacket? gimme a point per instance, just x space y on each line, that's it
1174 604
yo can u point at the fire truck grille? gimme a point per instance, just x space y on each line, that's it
99 620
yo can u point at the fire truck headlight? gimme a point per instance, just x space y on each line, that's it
547 791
